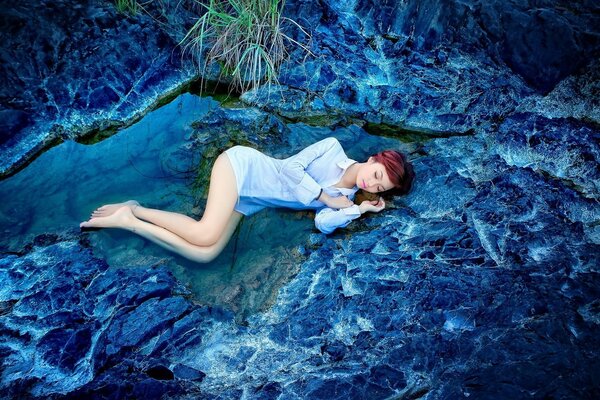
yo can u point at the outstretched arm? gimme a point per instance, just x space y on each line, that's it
328 219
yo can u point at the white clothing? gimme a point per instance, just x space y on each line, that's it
294 182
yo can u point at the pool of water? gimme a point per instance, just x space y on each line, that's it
151 162
62 186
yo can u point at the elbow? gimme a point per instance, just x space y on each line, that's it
292 171
323 228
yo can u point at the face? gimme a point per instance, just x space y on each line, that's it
373 178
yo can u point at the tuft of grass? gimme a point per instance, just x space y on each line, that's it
127 6
245 37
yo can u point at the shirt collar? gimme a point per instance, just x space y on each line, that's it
344 164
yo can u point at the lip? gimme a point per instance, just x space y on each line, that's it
363 184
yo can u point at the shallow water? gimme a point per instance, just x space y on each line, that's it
151 162
62 186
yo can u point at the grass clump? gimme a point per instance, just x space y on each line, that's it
245 37
127 6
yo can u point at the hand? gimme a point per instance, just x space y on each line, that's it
336 202
372 205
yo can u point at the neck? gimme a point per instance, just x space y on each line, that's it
349 177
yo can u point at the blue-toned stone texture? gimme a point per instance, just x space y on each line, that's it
68 69
481 283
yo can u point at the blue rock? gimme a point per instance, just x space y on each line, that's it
181 371
565 149
65 347
482 282
145 321
70 74
387 377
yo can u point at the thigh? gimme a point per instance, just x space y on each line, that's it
222 195
213 251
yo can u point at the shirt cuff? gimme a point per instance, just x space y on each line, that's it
319 195
352 211
307 190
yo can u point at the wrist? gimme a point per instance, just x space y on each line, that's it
318 198
323 197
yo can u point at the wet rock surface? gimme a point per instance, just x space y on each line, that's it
69 69
71 325
481 283
442 66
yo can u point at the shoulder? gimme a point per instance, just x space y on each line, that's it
330 142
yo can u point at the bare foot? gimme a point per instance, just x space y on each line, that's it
121 218
110 209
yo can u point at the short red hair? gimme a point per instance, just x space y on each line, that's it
399 170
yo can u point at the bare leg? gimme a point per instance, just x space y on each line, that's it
222 196
139 211
123 218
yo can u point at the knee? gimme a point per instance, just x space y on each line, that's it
202 257
204 236
203 254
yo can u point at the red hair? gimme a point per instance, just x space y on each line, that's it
399 170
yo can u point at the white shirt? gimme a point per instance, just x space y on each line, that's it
294 182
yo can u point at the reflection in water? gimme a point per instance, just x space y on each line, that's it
148 162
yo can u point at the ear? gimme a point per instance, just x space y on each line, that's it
370 160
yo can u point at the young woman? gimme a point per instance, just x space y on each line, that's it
244 181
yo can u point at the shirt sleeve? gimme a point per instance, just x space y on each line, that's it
327 219
293 171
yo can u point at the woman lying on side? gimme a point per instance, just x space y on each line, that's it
244 181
